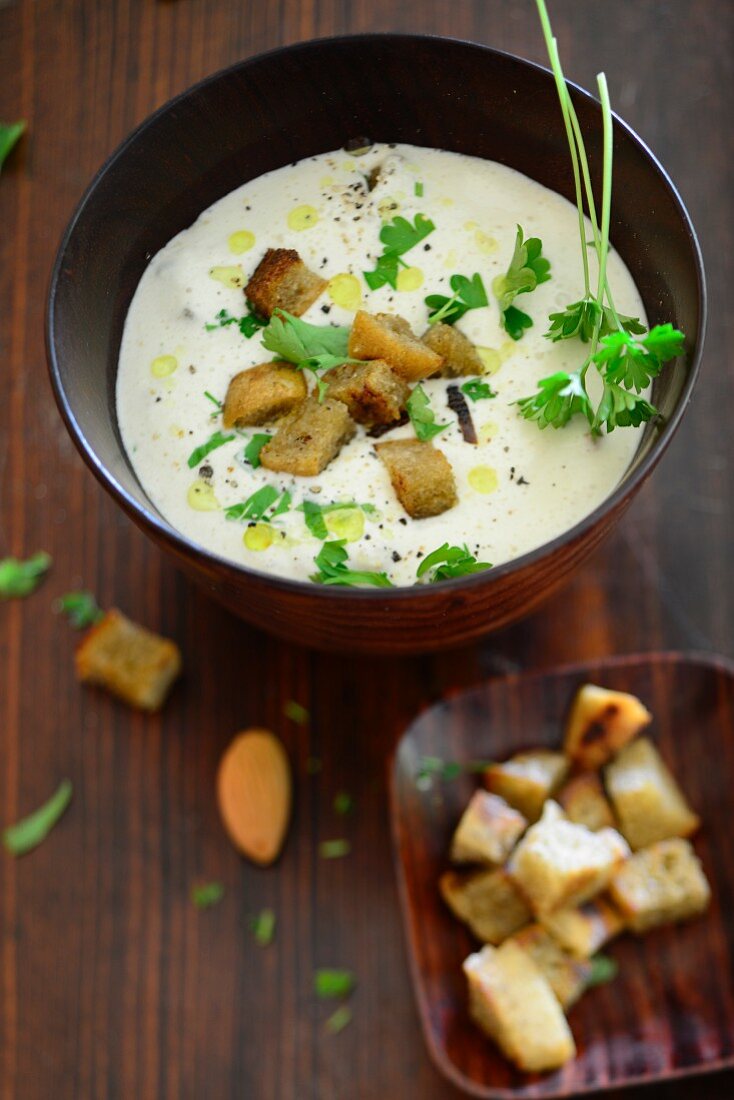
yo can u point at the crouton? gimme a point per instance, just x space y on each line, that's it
487 901
646 798
558 865
372 392
600 723
584 802
584 931
527 779
307 440
386 336
459 355
421 476
512 1002
263 393
282 281
566 975
660 885
131 662
488 830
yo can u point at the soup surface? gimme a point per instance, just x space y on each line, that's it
517 487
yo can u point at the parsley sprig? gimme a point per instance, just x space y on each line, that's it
450 561
469 293
333 569
422 416
309 347
528 269
248 324
398 237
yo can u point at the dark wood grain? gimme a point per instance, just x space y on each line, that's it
670 1011
111 984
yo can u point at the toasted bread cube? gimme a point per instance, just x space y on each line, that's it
282 281
128 660
600 723
584 931
488 902
584 802
386 336
558 865
661 884
307 440
646 798
263 393
459 355
373 393
566 975
488 830
513 1003
528 779
421 476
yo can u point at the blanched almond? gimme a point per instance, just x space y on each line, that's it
254 794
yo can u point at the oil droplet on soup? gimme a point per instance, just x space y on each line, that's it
241 241
201 497
303 217
483 479
259 537
487 432
491 359
345 291
409 278
346 523
232 277
163 366
485 243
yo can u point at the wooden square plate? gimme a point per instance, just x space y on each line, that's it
670 1011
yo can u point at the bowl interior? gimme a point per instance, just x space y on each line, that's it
307 99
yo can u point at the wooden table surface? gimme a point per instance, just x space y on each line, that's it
111 983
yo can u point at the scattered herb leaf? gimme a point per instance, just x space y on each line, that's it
316 347
339 1020
450 561
433 767
469 293
10 134
334 849
343 803
213 442
333 570
314 513
418 189
296 712
478 391
20 578
260 503
28 833
81 608
248 325
528 269
263 927
422 416
331 983
398 237
251 452
214 400
603 969
207 894
580 319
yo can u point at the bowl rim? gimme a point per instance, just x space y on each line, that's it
186 546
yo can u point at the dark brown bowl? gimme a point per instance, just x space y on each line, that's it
307 99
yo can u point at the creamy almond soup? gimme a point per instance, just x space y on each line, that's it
517 487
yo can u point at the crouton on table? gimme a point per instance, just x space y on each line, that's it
373 393
585 930
488 902
421 476
487 831
128 660
661 884
513 1003
282 281
307 440
647 800
263 393
567 976
600 723
583 801
558 865
527 779
459 355
389 337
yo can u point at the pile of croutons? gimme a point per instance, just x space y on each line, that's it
570 849
311 430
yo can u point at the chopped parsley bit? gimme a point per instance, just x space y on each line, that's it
259 503
207 894
263 927
450 561
398 237
334 849
603 969
212 443
296 712
333 570
213 399
339 1020
478 391
251 452
248 325
343 803
332 983
528 269
433 767
309 347
10 134
20 578
422 416
468 294
81 608
28 833
418 189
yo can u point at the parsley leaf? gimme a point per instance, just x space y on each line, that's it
81 608
418 189
296 712
450 561
314 513
398 237
330 983
634 363
528 269
259 503
603 969
478 391
422 416
248 325
619 408
32 830
468 294
207 894
263 927
580 319
333 570
10 134
560 397
251 453
20 578
212 443
314 346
